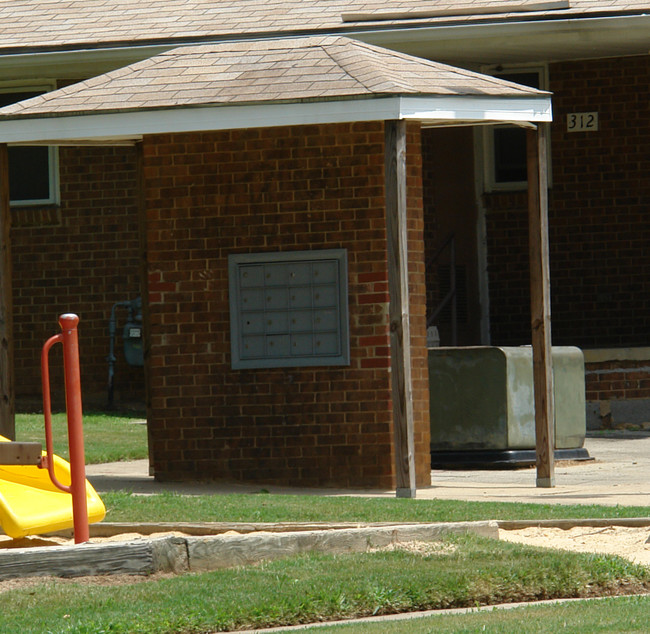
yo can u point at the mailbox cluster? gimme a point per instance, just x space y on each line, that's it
289 309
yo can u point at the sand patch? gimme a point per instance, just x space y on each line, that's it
628 542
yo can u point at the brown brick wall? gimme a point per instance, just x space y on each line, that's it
617 380
82 257
599 229
280 189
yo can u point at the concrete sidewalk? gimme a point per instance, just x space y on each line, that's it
618 474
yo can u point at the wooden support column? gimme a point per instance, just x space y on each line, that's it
540 293
399 315
7 383
144 290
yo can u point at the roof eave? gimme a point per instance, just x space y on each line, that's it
519 41
129 126
566 36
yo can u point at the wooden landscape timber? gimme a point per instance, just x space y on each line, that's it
188 553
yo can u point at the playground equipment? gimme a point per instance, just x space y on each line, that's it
39 491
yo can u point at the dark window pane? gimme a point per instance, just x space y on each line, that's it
509 155
526 79
29 167
510 143
29 173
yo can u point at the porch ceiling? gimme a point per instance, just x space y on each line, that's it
266 83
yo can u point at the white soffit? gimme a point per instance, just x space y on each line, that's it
519 42
129 126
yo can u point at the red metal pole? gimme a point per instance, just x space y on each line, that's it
48 461
68 323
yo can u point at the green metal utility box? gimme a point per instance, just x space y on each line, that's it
481 398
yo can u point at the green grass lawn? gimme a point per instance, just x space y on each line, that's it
124 506
622 614
464 571
467 571
107 437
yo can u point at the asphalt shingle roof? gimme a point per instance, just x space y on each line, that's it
293 69
46 24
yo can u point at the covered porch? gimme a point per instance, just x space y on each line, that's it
278 147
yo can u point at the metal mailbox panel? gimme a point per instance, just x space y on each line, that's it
324 273
278 345
325 320
251 276
326 343
252 346
289 309
253 323
302 321
325 295
252 299
276 275
300 297
276 298
277 322
300 275
301 345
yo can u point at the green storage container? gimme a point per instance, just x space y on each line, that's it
481 398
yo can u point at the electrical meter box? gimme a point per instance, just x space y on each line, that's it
133 348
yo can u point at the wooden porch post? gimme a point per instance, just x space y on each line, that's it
399 315
7 393
144 291
540 293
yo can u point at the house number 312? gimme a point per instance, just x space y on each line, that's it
582 122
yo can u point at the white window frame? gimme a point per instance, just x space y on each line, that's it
489 177
53 154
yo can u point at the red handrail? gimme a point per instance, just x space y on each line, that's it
69 338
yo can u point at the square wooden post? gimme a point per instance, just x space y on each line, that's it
399 315
540 302
7 382
144 291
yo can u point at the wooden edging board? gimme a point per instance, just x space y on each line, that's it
210 546
193 553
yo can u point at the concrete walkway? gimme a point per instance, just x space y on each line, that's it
618 474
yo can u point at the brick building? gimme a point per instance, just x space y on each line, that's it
222 402
78 243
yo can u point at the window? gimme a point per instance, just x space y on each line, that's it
32 169
505 145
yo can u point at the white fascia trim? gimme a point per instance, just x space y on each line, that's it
132 124
140 122
478 109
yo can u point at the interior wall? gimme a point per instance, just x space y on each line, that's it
450 209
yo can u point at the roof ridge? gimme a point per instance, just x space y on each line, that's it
387 76
419 61
347 40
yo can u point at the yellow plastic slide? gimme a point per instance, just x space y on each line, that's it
30 504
